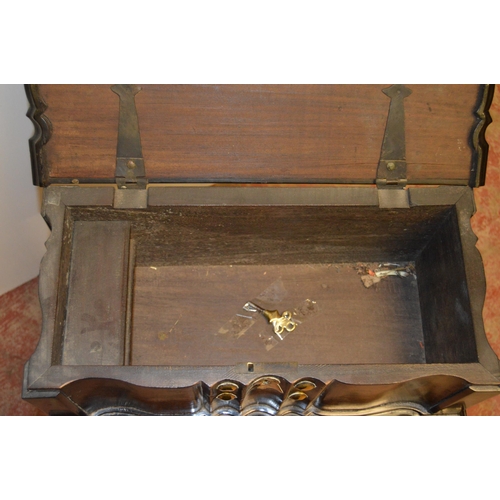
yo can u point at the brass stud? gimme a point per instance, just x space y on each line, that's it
298 396
391 166
227 387
305 385
226 396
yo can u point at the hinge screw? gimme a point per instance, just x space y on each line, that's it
131 164
391 166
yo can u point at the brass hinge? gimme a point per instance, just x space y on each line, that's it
391 173
130 171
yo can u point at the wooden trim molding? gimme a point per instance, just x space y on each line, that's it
267 395
479 145
41 135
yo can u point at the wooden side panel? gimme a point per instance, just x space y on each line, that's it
261 133
94 332
444 297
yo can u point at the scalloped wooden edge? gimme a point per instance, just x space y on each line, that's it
479 145
41 135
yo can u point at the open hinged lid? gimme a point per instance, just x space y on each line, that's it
358 134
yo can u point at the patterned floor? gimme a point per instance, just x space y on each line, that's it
20 325
20 315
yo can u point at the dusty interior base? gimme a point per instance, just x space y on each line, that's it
167 286
193 315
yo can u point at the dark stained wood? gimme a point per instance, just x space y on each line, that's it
440 121
261 133
84 141
94 331
181 314
264 397
444 298
183 376
432 389
273 235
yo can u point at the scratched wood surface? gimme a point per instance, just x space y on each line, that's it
444 298
273 234
261 133
193 315
94 332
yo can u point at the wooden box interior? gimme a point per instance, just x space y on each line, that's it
166 286
143 290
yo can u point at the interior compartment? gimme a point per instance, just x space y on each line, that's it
181 276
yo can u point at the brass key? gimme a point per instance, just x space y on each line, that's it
279 321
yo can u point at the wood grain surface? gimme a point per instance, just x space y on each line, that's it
194 316
445 299
273 235
94 332
21 319
261 133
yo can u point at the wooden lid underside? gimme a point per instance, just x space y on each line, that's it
262 133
